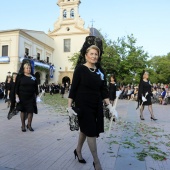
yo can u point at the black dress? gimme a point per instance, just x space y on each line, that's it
12 95
88 89
27 90
112 91
7 87
62 90
145 87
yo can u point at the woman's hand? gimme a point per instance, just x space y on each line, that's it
112 110
144 99
17 99
38 99
71 112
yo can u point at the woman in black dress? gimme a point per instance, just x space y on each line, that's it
62 90
112 89
7 87
88 90
144 95
11 93
26 92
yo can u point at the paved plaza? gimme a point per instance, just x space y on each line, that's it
51 145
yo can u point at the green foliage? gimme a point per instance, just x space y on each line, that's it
124 59
74 59
160 69
110 61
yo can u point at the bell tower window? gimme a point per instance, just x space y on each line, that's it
65 14
72 13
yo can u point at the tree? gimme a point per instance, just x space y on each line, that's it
160 69
74 59
133 59
110 60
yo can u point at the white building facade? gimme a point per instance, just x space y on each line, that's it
14 44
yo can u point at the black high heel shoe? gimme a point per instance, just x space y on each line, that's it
94 165
153 118
76 155
23 129
30 128
141 118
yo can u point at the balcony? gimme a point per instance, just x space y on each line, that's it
39 63
4 60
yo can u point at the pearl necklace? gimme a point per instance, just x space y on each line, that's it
92 70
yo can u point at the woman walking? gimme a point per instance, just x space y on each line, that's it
88 90
26 92
62 90
112 89
144 95
7 87
11 93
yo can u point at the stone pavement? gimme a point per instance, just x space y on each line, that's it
51 145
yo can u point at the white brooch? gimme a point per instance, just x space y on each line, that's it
101 74
33 78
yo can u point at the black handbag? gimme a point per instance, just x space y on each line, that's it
106 112
19 107
73 120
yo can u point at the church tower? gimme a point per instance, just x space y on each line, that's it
69 35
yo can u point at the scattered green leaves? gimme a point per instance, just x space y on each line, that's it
141 155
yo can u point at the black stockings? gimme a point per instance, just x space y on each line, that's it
30 117
22 115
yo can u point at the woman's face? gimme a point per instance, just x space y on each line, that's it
9 79
146 75
14 76
112 79
27 69
92 56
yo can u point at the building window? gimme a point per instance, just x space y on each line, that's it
68 29
38 56
26 51
47 59
65 14
72 13
67 43
5 50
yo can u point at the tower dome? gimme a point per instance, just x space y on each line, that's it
95 32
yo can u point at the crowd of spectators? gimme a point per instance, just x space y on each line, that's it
47 88
161 93
54 88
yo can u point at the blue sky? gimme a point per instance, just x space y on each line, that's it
147 20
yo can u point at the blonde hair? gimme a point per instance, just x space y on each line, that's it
93 47
26 64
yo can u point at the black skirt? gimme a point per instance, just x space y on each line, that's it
148 102
91 119
27 105
112 95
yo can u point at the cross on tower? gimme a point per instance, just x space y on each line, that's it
92 22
